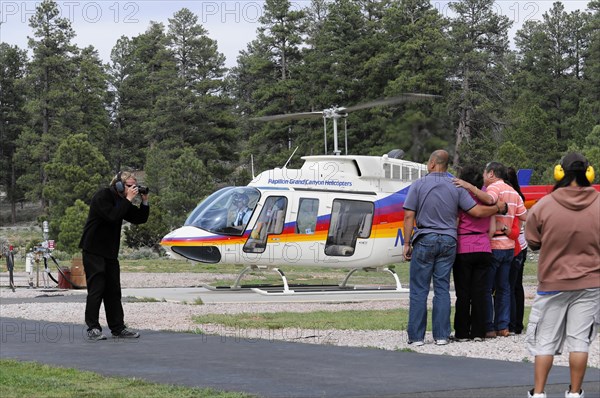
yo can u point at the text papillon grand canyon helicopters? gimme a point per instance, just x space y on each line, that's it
339 211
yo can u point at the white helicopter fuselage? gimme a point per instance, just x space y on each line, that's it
335 211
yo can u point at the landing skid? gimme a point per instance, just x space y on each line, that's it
323 290
312 289
399 287
286 287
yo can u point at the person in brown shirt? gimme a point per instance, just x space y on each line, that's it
565 227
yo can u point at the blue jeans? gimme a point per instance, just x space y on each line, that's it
498 305
432 257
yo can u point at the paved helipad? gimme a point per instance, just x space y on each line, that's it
271 368
190 294
268 368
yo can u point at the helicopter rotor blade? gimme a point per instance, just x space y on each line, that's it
337 112
289 116
408 97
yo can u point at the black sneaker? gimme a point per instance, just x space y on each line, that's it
95 335
126 334
459 339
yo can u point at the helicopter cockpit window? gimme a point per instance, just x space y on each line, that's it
226 211
350 220
270 222
307 216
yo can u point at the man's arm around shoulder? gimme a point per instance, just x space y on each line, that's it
487 211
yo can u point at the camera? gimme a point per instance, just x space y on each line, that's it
142 190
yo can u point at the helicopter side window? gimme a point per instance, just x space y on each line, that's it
270 222
307 216
350 220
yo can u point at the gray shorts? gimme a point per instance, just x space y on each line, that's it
569 317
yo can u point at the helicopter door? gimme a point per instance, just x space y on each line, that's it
350 223
270 222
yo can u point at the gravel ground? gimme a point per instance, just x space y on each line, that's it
178 317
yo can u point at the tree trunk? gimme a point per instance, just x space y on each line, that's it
463 131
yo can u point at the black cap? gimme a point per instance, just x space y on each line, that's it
574 162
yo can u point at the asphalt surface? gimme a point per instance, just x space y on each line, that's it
267 368
270 368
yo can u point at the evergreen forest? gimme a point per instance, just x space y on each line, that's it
166 104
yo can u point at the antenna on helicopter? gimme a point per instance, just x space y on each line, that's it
290 158
335 112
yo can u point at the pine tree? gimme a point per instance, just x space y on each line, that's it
478 67
151 232
52 98
338 70
141 69
71 227
13 118
92 98
265 81
76 171
195 110
551 64
413 62
189 182
591 65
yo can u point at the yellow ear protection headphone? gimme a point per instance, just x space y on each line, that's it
559 173
119 186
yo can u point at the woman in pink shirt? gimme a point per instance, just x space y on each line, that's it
473 259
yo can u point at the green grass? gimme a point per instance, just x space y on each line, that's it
29 379
321 320
530 270
131 299
161 265
343 320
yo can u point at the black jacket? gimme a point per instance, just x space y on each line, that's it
102 230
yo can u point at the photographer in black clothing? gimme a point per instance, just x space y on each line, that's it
100 245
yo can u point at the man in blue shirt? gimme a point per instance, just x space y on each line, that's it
433 201
243 212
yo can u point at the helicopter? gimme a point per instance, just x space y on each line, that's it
338 211
335 211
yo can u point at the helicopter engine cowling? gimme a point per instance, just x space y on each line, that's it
183 243
203 254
